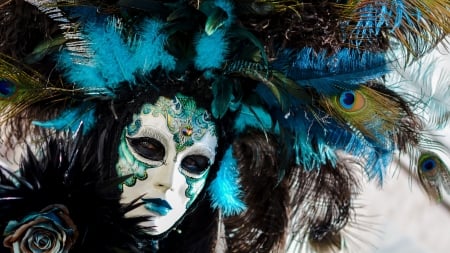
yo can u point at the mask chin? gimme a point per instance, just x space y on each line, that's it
177 227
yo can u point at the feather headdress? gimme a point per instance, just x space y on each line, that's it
308 76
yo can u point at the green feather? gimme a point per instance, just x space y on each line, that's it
241 34
373 113
215 21
45 48
281 86
433 175
21 87
223 94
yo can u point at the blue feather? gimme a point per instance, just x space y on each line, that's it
112 55
228 7
346 69
224 190
70 119
310 145
112 59
377 163
252 116
83 76
149 48
211 50
400 8
401 14
105 65
373 18
375 160
317 137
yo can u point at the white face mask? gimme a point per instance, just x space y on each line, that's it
168 148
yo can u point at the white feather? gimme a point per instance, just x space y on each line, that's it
425 84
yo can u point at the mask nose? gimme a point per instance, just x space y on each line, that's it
163 176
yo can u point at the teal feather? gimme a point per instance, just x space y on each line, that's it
219 15
71 118
112 61
253 117
211 50
148 50
107 66
224 190
222 89
123 58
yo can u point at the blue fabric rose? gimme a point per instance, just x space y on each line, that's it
51 230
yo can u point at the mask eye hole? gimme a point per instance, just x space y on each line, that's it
195 164
148 148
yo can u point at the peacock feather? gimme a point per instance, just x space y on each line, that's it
21 87
417 25
379 116
434 175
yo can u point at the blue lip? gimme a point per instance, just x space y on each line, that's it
159 206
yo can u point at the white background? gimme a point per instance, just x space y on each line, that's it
406 219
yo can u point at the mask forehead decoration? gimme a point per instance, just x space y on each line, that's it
185 121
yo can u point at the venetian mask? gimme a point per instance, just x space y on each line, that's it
168 149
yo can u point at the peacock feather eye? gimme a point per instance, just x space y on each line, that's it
352 101
433 175
7 88
429 164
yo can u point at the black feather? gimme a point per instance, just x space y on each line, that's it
67 173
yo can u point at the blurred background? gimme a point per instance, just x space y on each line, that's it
403 217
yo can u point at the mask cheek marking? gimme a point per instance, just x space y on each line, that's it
129 165
195 183
195 186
